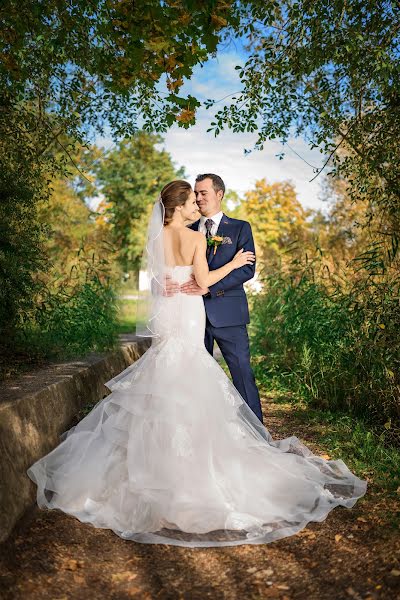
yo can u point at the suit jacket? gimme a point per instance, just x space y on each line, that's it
226 304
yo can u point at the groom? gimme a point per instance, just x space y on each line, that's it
225 302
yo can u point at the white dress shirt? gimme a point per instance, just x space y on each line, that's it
216 221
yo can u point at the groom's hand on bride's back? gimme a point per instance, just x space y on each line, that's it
170 287
191 287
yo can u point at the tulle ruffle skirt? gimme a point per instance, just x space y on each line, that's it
174 455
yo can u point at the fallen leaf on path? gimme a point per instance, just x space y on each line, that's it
395 572
362 519
71 564
265 573
282 587
338 537
123 576
133 591
78 578
325 456
307 533
351 592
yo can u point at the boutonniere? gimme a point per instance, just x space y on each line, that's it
217 240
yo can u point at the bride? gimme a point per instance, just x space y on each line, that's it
174 455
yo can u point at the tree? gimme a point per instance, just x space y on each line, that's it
93 61
277 218
346 231
70 68
71 225
131 176
329 72
326 71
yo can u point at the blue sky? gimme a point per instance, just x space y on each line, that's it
199 151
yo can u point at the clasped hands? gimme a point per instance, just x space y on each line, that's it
189 287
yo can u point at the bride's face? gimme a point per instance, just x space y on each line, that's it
190 210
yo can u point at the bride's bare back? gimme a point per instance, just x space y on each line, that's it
180 246
184 247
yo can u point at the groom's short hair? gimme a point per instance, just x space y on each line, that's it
218 184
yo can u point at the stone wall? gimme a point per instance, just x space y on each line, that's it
37 407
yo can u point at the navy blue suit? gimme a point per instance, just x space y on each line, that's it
227 309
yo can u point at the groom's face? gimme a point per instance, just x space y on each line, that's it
208 200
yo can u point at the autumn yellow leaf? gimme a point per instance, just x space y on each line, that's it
126 80
171 62
218 21
185 18
157 44
306 533
71 564
186 115
338 537
173 85
123 576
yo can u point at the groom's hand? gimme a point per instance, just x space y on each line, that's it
171 287
191 287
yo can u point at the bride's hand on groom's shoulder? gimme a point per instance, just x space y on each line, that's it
191 287
243 258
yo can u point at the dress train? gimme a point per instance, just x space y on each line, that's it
174 455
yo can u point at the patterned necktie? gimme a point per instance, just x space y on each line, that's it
209 223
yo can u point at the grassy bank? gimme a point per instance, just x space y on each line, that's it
341 436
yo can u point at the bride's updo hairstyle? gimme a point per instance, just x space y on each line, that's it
174 194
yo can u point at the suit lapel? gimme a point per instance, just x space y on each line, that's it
195 227
224 222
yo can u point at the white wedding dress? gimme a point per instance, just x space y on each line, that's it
173 455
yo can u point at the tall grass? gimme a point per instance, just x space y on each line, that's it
78 314
338 347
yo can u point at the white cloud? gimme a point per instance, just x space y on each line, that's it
199 152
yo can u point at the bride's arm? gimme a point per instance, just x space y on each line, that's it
204 277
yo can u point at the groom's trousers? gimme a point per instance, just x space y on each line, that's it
234 345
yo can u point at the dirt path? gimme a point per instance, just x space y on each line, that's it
352 554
